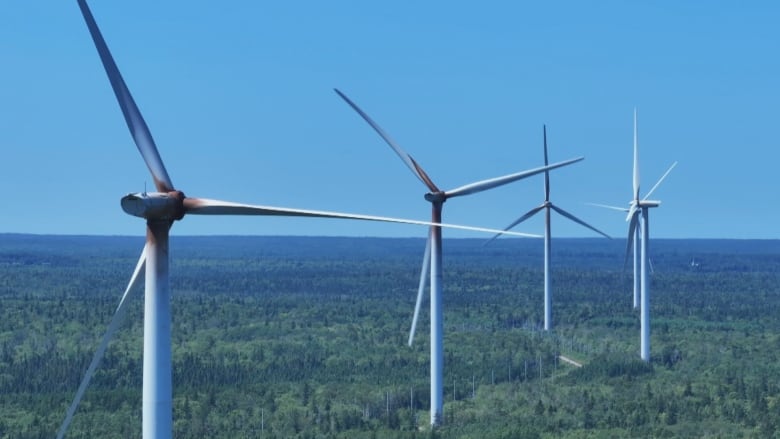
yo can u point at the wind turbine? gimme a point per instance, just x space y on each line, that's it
639 223
548 205
160 209
432 258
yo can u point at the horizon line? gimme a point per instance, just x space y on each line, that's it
422 238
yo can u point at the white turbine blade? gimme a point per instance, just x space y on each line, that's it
203 206
632 211
578 221
636 161
546 163
500 181
606 206
660 180
631 228
135 122
112 327
405 157
426 266
527 215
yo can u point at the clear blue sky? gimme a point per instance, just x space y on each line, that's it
239 98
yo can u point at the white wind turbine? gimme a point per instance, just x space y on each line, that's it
161 209
433 253
636 208
548 205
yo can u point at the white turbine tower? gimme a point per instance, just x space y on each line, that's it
639 222
161 209
548 205
433 253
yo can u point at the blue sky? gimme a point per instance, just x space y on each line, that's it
239 98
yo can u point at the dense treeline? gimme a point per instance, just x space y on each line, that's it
306 337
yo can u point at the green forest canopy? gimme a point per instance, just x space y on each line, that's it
306 337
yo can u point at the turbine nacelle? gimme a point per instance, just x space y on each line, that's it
155 205
436 197
649 203
645 203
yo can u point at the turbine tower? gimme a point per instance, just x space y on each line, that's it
636 208
548 205
432 259
160 209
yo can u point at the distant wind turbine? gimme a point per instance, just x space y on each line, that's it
633 242
548 205
640 207
161 209
433 252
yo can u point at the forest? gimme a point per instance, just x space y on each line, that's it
306 337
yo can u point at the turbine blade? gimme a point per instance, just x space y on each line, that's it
203 206
578 221
631 228
632 211
606 206
426 266
135 122
500 181
636 161
660 180
547 172
112 327
406 158
527 215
